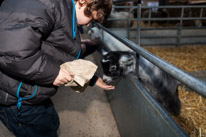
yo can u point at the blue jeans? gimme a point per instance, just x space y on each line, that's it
34 121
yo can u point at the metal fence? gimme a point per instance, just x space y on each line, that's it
190 81
174 31
136 112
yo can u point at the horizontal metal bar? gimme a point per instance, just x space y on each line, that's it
171 19
182 36
159 44
170 28
117 19
158 37
181 6
158 19
163 44
190 81
149 7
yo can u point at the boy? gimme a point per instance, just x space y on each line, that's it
37 36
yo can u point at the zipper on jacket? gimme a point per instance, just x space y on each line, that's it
74 21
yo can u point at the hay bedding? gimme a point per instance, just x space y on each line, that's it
189 58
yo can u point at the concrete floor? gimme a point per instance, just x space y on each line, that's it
85 114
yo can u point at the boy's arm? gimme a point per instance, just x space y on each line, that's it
20 46
22 58
100 83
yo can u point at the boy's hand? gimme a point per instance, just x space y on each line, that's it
88 41
103 85
62 78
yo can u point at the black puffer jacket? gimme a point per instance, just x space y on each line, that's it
36 36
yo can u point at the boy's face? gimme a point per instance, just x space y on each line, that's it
82 19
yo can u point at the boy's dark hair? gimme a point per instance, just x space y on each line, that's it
102 7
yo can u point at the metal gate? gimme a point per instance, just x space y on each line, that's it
174 33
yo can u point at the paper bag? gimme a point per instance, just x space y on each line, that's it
82 71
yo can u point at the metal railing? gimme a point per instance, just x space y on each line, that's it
190 81
174 35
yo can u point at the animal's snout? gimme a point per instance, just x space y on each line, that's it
113 68
107 79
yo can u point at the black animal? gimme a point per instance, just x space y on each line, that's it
161 85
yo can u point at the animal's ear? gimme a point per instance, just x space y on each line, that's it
105 60
92 31
104 52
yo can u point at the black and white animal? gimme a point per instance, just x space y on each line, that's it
120 61
161 85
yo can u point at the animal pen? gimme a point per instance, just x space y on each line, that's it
137 113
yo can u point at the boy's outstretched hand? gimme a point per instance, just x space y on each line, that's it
100 83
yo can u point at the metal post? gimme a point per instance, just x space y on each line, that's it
182 15
179 31
138 21
128 24
150 16
201 11
200 21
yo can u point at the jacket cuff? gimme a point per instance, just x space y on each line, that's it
93 80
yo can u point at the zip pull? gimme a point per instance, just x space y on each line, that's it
19 104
